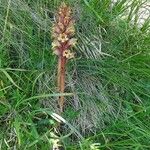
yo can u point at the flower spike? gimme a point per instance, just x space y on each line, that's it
62 33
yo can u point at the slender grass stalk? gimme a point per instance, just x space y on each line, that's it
62 33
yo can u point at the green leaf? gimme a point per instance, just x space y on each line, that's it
10 79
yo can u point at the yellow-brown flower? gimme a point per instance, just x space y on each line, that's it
63 31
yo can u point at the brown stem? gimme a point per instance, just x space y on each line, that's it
61 80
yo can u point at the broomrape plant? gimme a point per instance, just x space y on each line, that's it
62 33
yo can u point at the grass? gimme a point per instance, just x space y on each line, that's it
109 77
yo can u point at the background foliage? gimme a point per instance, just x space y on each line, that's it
110 76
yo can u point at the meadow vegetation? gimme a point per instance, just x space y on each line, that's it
107 83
